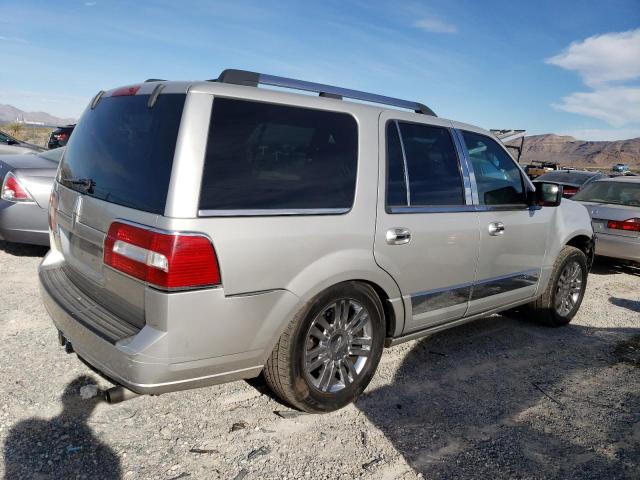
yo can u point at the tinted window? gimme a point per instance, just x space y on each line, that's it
498 178
263 156
619 193
432 166
396 180
126 149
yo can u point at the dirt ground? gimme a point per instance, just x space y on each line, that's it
498 398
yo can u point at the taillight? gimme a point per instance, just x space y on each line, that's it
170 261
125 91
53 210
63 136
630 225
568 191
13 191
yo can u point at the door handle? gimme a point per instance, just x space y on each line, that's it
496 228
398 236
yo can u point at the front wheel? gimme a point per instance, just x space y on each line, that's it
562 298
328 354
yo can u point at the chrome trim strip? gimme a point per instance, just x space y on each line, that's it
405 168
272 212
430 300
467 161
458 208
505 283
464 165
434 209
441 298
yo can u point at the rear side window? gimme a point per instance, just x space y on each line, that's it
273 158
122 151
498 178
424 158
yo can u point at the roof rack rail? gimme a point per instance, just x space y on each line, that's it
154 80
253 79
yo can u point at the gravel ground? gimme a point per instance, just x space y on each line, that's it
499 398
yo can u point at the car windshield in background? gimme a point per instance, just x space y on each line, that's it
619 193
575 178
122 151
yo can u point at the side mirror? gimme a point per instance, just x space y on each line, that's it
547 194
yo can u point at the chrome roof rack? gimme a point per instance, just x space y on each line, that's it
253 79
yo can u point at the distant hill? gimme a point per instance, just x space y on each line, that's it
581 153
9 114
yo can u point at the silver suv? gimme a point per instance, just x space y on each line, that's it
204 232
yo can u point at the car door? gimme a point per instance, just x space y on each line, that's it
427 235
513 236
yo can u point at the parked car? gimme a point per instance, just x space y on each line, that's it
24 197
614 206
205 232
620 168
60 136
12 146
571 180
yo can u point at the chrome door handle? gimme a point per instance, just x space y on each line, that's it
496 228
398 236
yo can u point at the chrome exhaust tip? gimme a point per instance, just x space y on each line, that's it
119 394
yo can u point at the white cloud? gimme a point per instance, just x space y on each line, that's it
610 65
12 39
612 57
617 106
436 25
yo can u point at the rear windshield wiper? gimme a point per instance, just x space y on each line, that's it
86 184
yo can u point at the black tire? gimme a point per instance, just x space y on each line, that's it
544 309
284 371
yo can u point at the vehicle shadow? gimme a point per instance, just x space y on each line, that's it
23 250
63 446
609 266
505 398
633 305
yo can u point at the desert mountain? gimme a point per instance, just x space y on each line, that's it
581 153
9 114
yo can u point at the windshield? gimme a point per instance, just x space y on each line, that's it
619 193
54 155
122 151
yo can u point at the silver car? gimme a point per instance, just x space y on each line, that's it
614 206
26 182
204 232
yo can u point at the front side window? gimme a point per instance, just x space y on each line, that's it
498 178
263 156
424 158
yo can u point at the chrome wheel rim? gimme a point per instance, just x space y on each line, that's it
338 345
568 288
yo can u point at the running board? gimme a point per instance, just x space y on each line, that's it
425 332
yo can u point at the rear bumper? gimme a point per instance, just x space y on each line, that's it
23 223
618 246
207 338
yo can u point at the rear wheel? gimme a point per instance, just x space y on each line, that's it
328 354
565 291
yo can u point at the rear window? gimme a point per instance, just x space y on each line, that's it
278 159
122 151
618 193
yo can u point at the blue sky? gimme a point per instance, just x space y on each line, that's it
547 66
